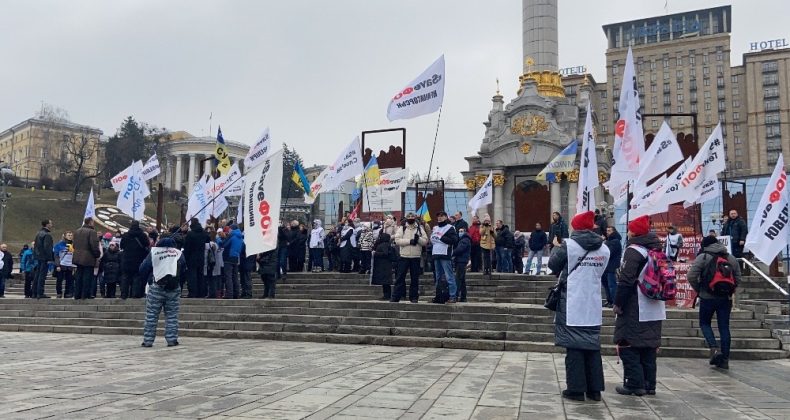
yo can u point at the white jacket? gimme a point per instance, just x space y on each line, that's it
403 237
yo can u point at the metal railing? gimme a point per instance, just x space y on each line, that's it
766 277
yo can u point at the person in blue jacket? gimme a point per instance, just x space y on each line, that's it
231 256
27 266
461 254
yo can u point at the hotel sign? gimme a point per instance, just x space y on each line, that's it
768 45
570 71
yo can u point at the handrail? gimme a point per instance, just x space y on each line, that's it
763 275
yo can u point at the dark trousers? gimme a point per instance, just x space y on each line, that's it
365 257
584 371
460 280
110 290
245 278
282 261
231 280
195 280
128 279
293 263
639 367
2 284
476 256
518 262
722 308
29 283
83 282
138 286
607 287
67 276
486 260
269 285
411 265
40 278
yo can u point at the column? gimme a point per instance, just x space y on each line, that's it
499 198
191 173
555 197
179 173
168 174
207 166
573 188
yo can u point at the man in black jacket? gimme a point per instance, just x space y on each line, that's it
460 223
537 243
8 265
42 252
135 246
194 255
609 280
735 227
558 229
505 242
444 238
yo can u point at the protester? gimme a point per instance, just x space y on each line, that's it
162 275
504 247
213 267
86 254
487 243
110 267
558 229
735 227
537 243
5 268
267 269
246 268
64 266
444 238
383 255
460 223
134 244
389 226
231 254
366 244
292 235
332 251
674 243
600 223
302 236
519 243
27 267
609 280
637 340
714 258
580 261
43 254
461 254
410 238
194 254
317 237
347 244
283 232
356 252
104 244
474 235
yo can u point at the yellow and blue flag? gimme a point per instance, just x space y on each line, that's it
221 157
563 162
299 178
423 212
372 172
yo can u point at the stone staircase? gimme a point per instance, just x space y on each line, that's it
503 313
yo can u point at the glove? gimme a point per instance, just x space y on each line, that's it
416 237
413 242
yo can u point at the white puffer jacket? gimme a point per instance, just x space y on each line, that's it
403 237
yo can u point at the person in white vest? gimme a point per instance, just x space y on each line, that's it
163 268
674 243
581 261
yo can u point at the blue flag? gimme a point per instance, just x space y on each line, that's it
563 162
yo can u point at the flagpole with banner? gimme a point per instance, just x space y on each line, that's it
90 207
769 229
588 168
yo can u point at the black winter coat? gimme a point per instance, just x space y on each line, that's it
195 246
736 228
582 338
537 240
628 331
504 238
463 249
518 247
267 263
135 246
382 264
42 248
558 228
615 244
110 265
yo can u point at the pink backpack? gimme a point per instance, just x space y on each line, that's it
657 280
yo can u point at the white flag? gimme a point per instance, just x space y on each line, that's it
662 154
198 205
670 191
346 166
485 195
423 95
588 170
769 229
219 205
90 208
386 196
226 185
262 191
119 180
240 206
151 168
629 142
131 198
709 190
641 204
258 151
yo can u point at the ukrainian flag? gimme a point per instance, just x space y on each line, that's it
299 178
221 154
423 212
563 162
372 172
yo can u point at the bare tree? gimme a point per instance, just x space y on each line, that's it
77 151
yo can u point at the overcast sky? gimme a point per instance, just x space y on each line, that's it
316 72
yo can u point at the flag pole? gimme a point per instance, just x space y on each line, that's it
210 203
433 152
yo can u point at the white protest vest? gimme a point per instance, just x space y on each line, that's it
439 247
165 262
649 309
673 242
583 302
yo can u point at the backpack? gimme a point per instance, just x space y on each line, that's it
657 280
719 277
442 291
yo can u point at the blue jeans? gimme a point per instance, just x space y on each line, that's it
722 309
609 282
504 262
282 261
534 254
444 267
317 258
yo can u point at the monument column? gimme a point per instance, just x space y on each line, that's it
207 166
168 174
179 174
573 188
539 36
499 197
554 190
191 173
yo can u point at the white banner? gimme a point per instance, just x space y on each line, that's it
346 166
663 153
258 151
198 205
485 195
219 205
90 207
726 240
262 191
423 95
224 185
119 180
768 232
588 170
709 190
386 196
151 168
164 262
629 142
641 204
131 198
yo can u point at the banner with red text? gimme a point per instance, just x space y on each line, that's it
262 190
684 220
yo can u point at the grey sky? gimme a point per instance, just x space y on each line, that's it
316 72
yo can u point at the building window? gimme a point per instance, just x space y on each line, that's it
615 68
736 103
666 75
667 109
719 55
678 74
770 79
615 81
706 81
704 58
736 91
707 94
616 105
738 164
680 108
707 106
679 61
616 93
736 115
666 98
706 70
680 97
652 64
737 140
773 130
654 88
738 152
769 66
720 93
654 99
722 105
694 107
603 94
722 117
570 90
772 104
654 123
771 118
772 156
708 130
720 81
666 62
681 120
653 77
771 92
654 110
693 84
693 96
720 69
605 128
692 59
679 85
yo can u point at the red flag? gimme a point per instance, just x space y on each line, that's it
353 215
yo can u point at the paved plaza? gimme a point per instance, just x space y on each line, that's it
93 376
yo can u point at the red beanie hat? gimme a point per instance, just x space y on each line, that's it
640 226
583 221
